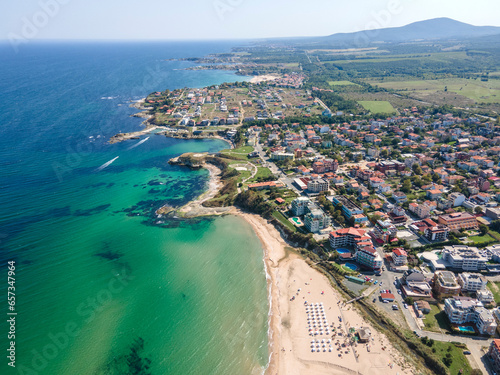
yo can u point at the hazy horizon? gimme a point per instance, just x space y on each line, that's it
223 19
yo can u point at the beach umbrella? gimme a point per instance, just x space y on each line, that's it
313 350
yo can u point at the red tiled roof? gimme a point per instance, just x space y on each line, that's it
400 252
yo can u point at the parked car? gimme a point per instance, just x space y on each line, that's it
467 352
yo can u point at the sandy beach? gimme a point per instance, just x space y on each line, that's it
195 207
293 282
263 78
295 285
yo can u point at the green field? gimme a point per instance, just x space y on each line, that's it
238 153
459 360
475 89
262 172
377 106
240 150
480 239
441 56
436 320
495 289
342 83
283 220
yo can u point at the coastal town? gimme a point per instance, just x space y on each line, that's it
251 188
404 207
386 182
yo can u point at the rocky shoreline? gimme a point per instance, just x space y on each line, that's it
195 208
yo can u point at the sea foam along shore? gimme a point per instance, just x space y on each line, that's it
149 127
289 340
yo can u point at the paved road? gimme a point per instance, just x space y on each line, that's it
474 344
275 169
321 103
477 358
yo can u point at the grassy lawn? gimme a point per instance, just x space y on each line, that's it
231 161
261 172
235 155
243 175
436 319
283 220
375 106
494 234
495 289
459 360
242 150
342 83
474 89
480 239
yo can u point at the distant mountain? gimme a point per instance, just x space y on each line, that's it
437 28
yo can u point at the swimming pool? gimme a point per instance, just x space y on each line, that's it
296 220
352 266
342 251
466 329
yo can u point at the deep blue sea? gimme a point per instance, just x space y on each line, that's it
102 285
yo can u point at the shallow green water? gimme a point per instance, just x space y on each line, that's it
187 297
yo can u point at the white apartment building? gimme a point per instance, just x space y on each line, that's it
472 282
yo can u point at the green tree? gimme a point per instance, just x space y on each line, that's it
483 229
416 169
406 188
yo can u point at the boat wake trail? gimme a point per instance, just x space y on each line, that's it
138 143
107 164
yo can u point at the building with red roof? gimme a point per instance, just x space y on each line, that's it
399 257
494 354
389 297
265 185
366 255
432 230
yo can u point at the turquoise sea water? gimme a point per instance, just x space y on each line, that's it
103 285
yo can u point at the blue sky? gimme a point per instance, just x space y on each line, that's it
225 19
